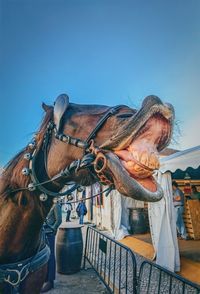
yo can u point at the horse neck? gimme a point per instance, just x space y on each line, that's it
21 219
21 214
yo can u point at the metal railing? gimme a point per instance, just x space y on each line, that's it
114 263
156 279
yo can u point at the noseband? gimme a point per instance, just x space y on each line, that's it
90 159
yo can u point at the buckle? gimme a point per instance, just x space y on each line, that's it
14 276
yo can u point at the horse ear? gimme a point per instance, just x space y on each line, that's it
60 106
46 107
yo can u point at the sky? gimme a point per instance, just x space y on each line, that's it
98 52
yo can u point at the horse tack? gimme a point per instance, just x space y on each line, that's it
88 160
100 164
88 144
15 273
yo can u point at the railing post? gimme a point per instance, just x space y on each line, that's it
86 243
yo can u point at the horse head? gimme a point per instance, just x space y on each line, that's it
126 144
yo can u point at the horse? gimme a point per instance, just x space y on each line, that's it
75 144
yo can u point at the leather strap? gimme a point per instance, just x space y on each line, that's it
100 123
15 273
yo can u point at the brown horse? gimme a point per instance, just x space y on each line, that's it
82 144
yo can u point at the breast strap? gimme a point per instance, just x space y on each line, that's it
15 273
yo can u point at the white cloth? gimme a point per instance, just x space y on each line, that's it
119 231
163 226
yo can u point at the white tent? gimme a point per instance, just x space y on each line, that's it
181 160
161 214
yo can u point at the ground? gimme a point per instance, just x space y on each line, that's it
83 282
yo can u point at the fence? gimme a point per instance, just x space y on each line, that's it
156 279
113 262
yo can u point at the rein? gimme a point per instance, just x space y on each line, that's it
106 191
94 160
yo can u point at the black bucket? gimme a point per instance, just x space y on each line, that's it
69 249
138 220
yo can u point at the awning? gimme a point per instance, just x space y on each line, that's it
182 160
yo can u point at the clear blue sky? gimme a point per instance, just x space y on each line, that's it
102 52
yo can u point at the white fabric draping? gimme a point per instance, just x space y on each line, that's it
163 226
120 213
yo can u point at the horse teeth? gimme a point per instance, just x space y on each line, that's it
144 158
157 164
130 164
136 155
153 161
138 168
145 174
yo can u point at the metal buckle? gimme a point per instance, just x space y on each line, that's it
19 275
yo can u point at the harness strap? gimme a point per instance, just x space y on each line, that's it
72 168
15 273
100 123
85 144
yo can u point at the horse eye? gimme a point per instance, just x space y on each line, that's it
125 115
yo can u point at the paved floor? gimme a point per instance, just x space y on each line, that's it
83 282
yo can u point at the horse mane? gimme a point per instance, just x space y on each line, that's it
11 177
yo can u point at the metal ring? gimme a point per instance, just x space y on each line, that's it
100 158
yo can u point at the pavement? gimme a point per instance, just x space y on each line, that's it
83 282
86 281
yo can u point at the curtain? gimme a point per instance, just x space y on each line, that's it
163 226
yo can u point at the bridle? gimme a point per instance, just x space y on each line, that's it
93 159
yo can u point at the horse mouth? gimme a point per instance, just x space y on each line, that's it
134 151
141 157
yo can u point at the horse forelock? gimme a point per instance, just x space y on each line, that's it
48 116
12 177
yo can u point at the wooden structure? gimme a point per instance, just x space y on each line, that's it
192 209
192 218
